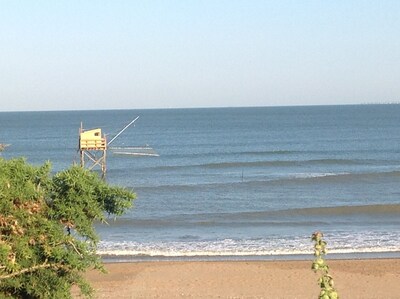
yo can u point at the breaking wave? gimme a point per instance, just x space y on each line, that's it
339 243
269 163
248 181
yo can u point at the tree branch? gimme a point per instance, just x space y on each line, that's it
31 269
76 249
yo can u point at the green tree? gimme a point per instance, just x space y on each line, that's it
47 235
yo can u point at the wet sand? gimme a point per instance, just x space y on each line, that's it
371 278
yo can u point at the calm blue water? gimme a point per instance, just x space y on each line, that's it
234 182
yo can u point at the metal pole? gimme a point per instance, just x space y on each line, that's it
120 132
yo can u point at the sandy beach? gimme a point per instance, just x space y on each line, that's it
366 279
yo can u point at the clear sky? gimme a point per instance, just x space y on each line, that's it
62 55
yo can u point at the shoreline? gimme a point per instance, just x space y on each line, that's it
354 278
260 258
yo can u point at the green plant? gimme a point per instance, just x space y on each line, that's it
47 235
319 264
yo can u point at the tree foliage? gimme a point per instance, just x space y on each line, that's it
47 235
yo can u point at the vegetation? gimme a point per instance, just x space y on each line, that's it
319 264
47 235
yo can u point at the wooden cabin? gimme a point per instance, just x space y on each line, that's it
92 140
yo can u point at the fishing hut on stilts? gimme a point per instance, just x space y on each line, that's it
93 149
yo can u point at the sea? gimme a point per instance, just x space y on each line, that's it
236 183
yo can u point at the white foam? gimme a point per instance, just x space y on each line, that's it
307 175
229 247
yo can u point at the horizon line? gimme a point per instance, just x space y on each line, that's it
204 107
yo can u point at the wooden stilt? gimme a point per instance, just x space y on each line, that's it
92 149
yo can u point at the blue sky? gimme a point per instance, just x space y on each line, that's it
63 55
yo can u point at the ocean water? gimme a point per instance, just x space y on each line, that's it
237 182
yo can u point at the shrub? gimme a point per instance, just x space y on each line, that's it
47 235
